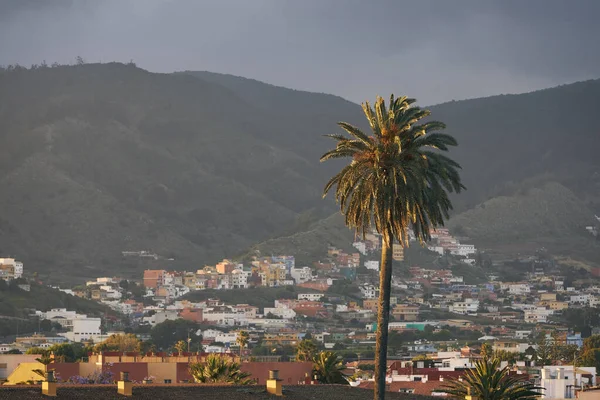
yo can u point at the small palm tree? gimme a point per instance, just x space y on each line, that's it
397 180
328 367
242 340
219 369
306 350
488 382
46 359
181 346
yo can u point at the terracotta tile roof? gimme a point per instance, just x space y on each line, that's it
193 391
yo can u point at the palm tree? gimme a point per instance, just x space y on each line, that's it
46 359
219 369
328 367
306 350
398 180
242 340
180 346
488 382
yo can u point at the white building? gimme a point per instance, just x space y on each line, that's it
225 315
238 279
361 247
560 382
62 316
210 333
10 268
102 281
537 315
310 296
226 338
522 334
519 288
372 265
463 250
368 291
467 306
580 299
84 329
285 313
161 316
301 274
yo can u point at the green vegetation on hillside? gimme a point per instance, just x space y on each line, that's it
550 216
17 304
260 297
311 244
101 158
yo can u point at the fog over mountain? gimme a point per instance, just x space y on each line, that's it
433 50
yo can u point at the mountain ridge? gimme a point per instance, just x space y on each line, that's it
100 158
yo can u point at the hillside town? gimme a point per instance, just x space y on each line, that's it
441 321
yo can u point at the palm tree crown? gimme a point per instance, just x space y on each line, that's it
398 177
219 369
242 340
398 180
488 382
328 367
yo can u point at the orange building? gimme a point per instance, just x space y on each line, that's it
154 278
225 267
191 314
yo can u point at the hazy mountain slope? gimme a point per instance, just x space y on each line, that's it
311 244
509 138
96 159
545 215
105 158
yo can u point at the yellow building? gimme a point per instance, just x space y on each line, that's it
548 296
281 339
405 312
398 252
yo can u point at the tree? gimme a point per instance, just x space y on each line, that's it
242 340
219 369
398 180
68 352
181 346
306 350
328 368
543 353
488 382
590 353
166 334
126 342
45 360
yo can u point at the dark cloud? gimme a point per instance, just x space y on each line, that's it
432 49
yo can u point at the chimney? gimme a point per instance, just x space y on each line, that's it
307 379
124 385
49 384
274 383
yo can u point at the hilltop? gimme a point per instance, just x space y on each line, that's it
99 159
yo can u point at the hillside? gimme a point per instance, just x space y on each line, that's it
101 158
506 139
16 304
98 159
547 215
311 244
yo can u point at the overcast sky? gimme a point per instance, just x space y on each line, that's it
435 50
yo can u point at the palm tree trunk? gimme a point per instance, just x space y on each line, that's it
383 317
